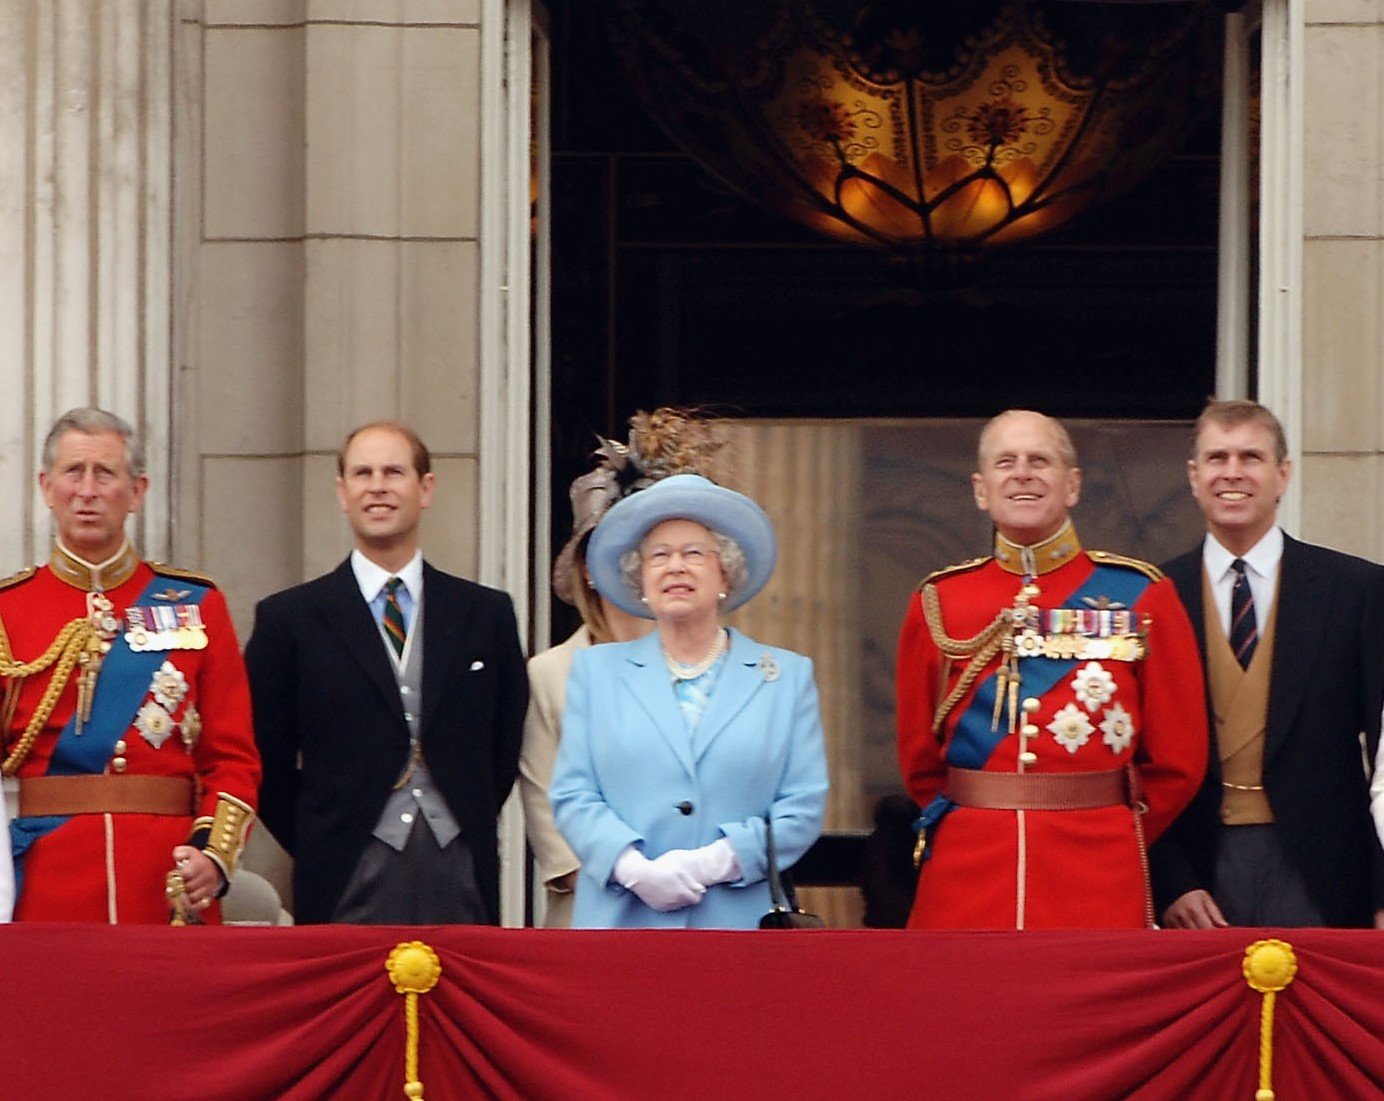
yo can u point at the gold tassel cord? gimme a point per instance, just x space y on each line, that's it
980 648
65 651
1270 965
956 647
414 969
969 675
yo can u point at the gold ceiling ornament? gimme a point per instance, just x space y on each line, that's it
915 124
1270 965
414 969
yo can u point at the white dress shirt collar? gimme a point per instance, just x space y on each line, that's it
371 577
1262 558
1261 571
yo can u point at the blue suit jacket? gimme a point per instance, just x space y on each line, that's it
628 773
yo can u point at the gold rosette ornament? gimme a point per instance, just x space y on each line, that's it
414 969
1270 965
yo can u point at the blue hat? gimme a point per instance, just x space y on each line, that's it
680 497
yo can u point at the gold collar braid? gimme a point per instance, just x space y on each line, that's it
93 577
1050 554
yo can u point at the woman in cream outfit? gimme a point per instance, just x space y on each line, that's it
543 727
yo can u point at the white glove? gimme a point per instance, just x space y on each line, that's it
660 884
709 865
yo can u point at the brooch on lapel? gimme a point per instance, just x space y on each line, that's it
768 668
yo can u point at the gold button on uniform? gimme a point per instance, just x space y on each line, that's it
1032 704
118 764
120 748
1028 758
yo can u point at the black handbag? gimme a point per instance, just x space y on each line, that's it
785 914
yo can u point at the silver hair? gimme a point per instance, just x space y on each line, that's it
1065 448
734 565
91 422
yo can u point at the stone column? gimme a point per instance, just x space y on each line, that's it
86 192
241 241
1342 472
335 279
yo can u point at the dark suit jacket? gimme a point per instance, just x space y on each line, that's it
331 729
1325 689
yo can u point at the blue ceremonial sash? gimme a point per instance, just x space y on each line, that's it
120 689
975 737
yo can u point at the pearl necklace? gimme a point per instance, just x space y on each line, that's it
680 671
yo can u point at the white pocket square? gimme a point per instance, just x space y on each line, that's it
477 665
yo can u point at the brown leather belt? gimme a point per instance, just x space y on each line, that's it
42 795
1037 791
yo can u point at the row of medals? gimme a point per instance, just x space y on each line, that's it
1075 634
175 627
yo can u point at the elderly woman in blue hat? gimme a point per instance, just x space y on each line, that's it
677 746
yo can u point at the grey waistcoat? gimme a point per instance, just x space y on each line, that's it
419 797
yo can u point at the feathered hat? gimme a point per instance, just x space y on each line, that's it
665 442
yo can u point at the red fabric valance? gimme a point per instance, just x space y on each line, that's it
309 1013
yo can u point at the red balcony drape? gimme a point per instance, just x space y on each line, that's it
309 1013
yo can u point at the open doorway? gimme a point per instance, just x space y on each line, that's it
855 379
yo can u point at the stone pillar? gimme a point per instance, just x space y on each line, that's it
86 193
1342 469
335 277
241 240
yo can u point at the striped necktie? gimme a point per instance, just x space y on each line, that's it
394 628
1244 632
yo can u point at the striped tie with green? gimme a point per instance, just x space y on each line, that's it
394 628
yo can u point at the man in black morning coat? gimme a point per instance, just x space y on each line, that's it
1292 639
389 702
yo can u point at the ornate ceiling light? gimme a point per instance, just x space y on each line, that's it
922 123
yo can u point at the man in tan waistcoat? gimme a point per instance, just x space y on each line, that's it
1292 639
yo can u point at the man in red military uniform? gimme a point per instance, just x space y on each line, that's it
126 715
1049 702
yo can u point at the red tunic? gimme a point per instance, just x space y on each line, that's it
1007 869
112 867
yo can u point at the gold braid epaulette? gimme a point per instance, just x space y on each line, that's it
948 571
979 648
62 652
1107 558
15 578
163 569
